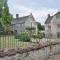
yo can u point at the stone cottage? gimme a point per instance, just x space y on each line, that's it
52 26
20 24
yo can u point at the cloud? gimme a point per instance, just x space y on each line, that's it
39 15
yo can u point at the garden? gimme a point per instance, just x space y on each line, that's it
23 40
10 40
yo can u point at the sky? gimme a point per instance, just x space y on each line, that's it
39 8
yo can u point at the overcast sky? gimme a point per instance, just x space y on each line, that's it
39 8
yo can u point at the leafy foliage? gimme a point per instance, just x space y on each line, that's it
5 15
40 35
1 5
1 28
30 28
40 27
23 36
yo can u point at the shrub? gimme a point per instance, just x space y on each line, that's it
40 35
23 36
34 36
30 28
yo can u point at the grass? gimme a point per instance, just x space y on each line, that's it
11 42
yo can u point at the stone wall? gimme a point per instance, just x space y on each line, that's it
39 52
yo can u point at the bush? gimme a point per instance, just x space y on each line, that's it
23 36
40 35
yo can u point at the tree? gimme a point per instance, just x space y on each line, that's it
1 24
1 27
1 5
5 15
0 12
39 26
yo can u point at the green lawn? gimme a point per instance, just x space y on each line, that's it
11 42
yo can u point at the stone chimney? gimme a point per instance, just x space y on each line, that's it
17 15
30 13
48 15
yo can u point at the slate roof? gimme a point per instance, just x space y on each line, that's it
21 19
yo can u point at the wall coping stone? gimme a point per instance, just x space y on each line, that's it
11 52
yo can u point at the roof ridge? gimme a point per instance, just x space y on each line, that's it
56 13
48 20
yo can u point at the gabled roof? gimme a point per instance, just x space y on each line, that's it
57 13
48 20
22 19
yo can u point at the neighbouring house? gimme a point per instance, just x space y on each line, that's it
52 26
21 24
